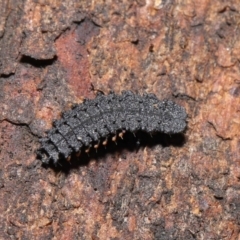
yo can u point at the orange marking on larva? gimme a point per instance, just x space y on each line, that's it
96 145
87 150
121 134
105 142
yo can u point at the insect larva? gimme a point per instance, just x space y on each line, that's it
93 121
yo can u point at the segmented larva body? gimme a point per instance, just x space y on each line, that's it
95 120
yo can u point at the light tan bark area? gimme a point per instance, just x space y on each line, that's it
189 51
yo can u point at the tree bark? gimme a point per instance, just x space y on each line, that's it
176 187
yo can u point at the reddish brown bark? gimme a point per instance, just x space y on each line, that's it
50 54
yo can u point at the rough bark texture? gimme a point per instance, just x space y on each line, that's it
50 54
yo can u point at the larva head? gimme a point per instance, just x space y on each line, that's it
42 156
47 152
173 117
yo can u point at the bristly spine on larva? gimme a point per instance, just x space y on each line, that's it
94 120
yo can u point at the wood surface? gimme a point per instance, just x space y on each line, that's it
51 52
